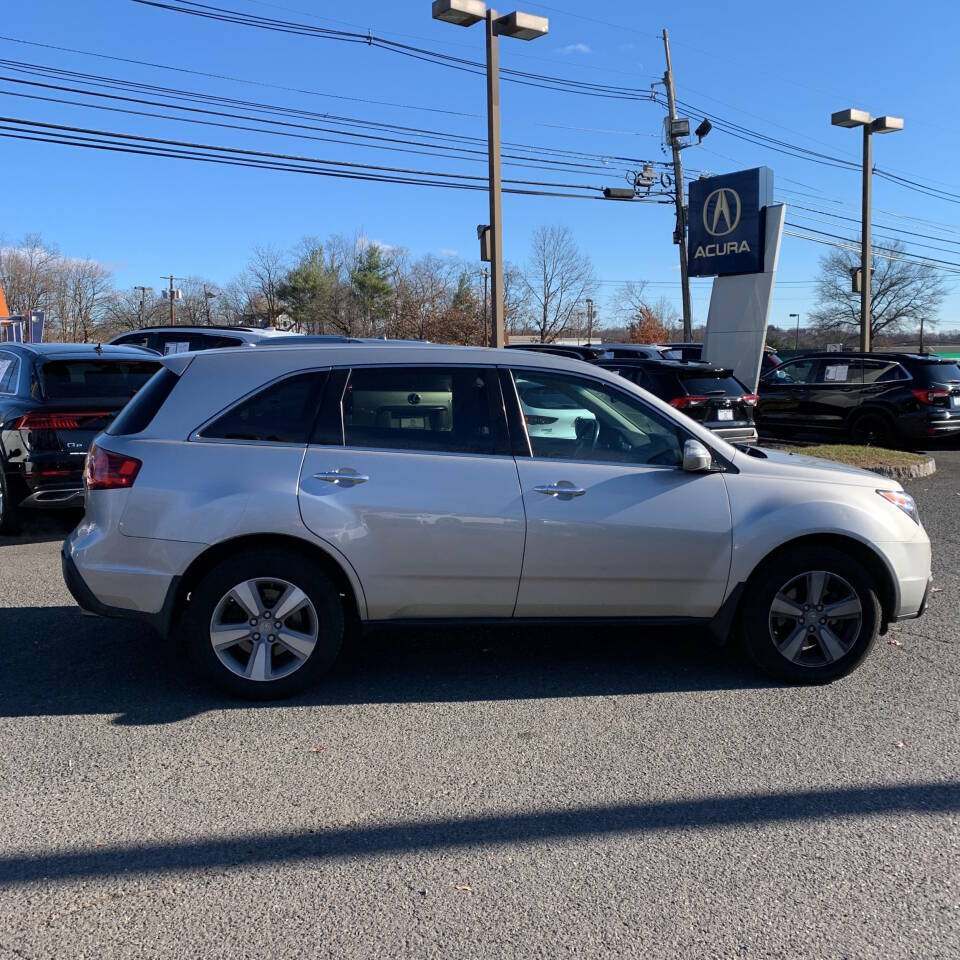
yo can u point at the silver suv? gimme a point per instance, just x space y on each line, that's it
260 503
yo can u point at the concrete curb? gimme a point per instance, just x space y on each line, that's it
913 472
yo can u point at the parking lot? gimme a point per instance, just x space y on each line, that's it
524 792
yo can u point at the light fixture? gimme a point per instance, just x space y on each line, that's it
705 127
522 26
464 13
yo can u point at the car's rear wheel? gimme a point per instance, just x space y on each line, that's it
265 625
873 430
9 514
811 615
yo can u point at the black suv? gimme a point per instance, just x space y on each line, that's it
711 395
876 398
54 399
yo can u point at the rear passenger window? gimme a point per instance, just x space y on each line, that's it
422 408
281 413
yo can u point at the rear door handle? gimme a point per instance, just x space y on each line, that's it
561 490
342 478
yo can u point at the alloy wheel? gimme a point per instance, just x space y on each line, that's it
264 629
815 618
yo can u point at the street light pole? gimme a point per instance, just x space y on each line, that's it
885 124
866 265
496 202
522 26
589 320
797 315
486 277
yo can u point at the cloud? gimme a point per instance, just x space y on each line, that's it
575 48
447 252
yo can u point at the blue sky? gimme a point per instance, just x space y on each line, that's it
775 68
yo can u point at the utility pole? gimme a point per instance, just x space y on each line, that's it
921 334
680 238
172 295
589 320
486 277
142 305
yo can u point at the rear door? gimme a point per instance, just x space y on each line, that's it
409 475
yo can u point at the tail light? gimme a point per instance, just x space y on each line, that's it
535 420
109 471
681 403
750 399
931 396
59 421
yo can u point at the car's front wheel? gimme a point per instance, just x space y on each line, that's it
265 625
810 615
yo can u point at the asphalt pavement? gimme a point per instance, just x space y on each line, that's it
511 793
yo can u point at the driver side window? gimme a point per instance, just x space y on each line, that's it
575 418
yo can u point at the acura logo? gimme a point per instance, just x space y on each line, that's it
721 212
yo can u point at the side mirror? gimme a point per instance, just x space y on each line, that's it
696 457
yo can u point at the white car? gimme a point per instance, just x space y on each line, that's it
256 503
550 413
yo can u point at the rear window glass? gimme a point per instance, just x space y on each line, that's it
704 385
74 379
940 372
138 414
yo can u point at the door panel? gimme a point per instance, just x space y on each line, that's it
429 534
640 541
614 526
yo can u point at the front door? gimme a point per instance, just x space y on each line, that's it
410 476
615 527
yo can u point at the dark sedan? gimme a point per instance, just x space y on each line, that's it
54 399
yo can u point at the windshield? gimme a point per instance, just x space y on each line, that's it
95 379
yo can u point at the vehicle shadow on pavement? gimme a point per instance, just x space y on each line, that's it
483 832
59 662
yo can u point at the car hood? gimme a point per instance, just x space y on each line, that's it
797 466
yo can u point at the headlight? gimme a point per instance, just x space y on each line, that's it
902 500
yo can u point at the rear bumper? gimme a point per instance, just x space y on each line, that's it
159 622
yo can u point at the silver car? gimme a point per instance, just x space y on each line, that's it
261 504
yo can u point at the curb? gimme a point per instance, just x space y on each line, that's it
913 472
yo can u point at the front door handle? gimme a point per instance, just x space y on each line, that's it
342 478
562 490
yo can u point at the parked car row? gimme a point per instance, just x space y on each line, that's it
255 503
884 399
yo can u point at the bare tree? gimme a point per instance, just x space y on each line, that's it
265 273
629 300
27 274
559 278
904 292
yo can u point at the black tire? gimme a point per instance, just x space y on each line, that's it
872 429
207 600
9 512
761 628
